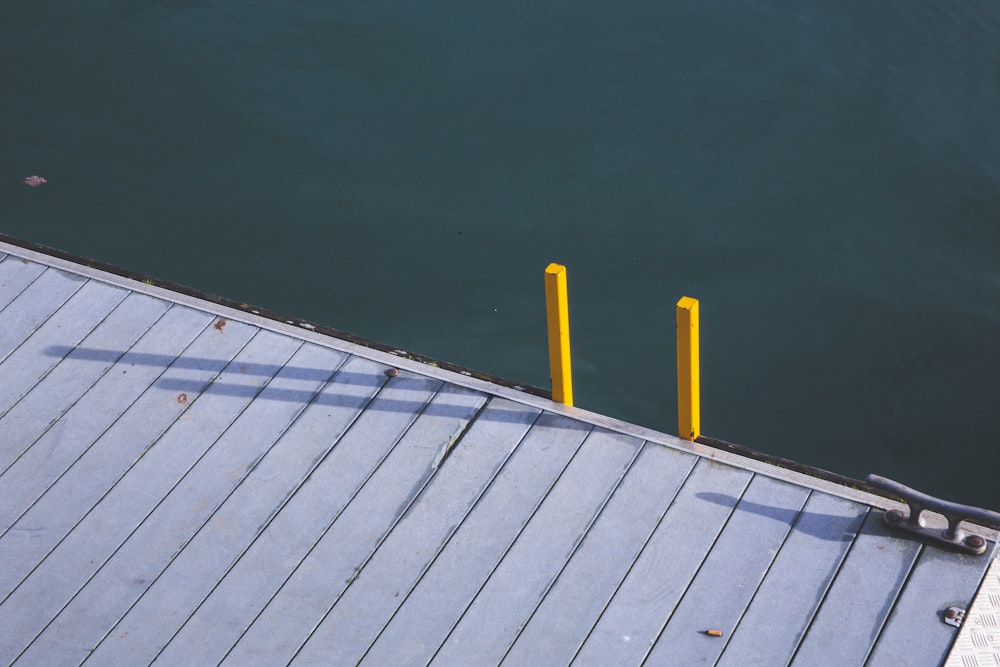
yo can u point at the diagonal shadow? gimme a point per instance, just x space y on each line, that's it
828 527
326 394
198 363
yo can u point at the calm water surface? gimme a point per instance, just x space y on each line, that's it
824 177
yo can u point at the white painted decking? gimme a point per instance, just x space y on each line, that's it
189 484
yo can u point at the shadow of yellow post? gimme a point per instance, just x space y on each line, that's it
557 312
688 370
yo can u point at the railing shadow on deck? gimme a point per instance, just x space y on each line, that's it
325 394
828 527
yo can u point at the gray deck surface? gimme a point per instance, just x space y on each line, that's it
180 486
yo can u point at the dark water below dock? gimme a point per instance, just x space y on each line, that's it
823 177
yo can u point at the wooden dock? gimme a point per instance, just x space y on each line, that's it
189 483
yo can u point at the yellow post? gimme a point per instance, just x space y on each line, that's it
557 312
688 370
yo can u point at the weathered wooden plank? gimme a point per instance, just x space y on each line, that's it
67 501
15 276
796 583
136 570
139 562
260 572
438 597
633 619
368 604
32 307
916 632
76 430
859 601
329 568
70 379
491 623
731 573
571 607
100 534
29 363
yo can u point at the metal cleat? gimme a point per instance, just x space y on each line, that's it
914 523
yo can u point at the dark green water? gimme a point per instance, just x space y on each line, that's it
823 176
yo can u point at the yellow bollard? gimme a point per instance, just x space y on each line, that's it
557 312
688 370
